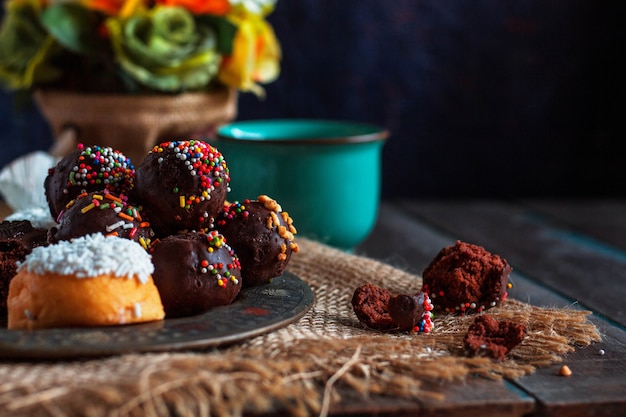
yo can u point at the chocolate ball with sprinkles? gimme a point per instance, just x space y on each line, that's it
87 169
102 212
182 185
262 236
466 278
195 272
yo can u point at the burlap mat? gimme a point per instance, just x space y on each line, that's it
132 124
296 369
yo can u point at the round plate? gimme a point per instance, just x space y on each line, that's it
257 310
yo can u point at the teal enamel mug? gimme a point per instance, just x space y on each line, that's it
325 173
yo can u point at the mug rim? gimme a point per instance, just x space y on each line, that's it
364 132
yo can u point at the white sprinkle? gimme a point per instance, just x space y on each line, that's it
91 256
137 310
601 352
114 226
128 225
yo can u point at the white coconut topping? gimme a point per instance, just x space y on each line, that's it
37 216
90 256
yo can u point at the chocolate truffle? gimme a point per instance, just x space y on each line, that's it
102 212
87 169
465 278
262 236
371 306
487 336
17 239
411 312
182 185
378 309
194 272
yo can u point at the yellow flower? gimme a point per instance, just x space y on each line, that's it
256 55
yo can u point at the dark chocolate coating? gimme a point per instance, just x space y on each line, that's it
465 278
104 168
406 310
186 285
17 239
105 213
191 170
263 252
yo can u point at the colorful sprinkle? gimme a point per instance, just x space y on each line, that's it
202 161
102 165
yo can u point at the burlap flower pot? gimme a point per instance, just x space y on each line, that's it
132 124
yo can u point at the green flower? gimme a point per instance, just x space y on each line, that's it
25 48
166 49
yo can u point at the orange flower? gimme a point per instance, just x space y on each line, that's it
214 7
114 7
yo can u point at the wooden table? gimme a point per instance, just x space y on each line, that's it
564 253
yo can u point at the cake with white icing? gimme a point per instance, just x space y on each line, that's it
89 281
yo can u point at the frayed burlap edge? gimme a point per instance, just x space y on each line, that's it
296 369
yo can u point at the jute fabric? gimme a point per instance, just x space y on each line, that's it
133 124
301 369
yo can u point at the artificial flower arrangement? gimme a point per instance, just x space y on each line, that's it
138 46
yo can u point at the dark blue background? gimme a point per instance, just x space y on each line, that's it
482 98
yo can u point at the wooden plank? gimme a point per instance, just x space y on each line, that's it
475 397
603 393
581 268
478 397
399 240
604 220
596 387
354 405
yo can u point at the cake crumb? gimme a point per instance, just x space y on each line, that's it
565 371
